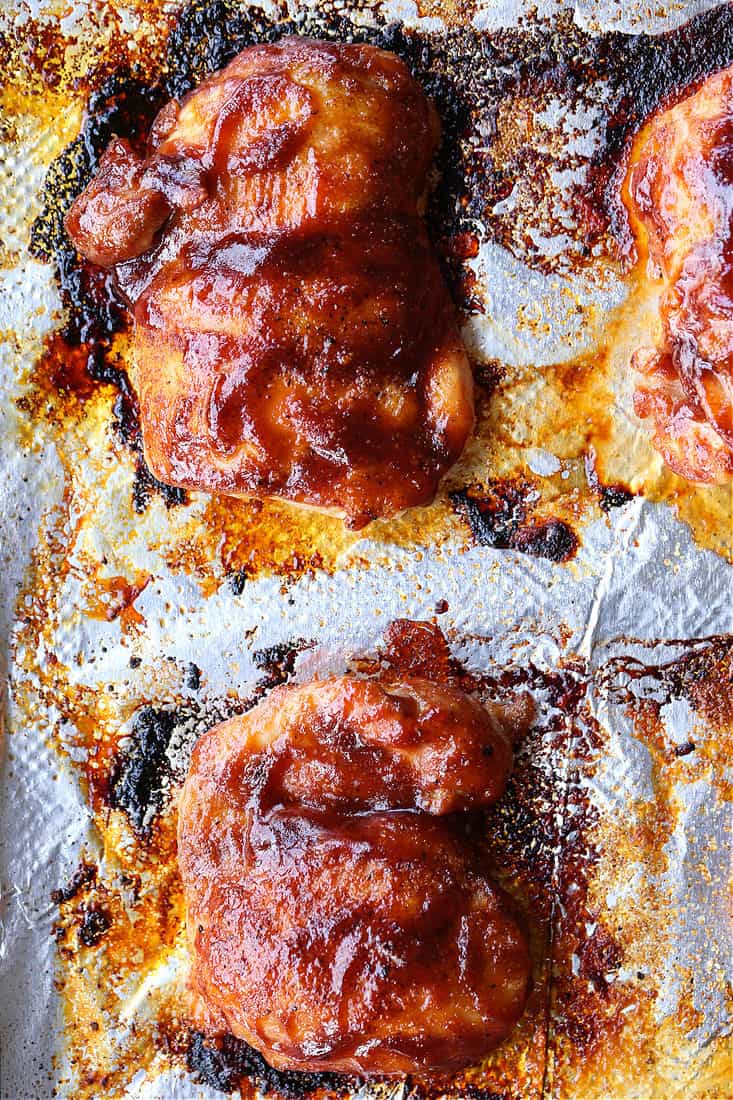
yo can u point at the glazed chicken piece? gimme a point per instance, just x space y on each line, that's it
339 915
293 335
679 193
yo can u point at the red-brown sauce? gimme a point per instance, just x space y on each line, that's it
339 915
680 195
293 333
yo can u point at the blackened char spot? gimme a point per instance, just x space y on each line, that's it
494 514
278 661
145 486
237 581
224 1064
95 922
497 516
193 677
614 496
208 34
83 875
609 496
551 539
94 313
685 748
138 777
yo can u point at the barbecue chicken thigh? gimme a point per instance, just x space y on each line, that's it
339 911
293 334
679 194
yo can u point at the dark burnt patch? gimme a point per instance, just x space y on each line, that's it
192 678
614 496
495 512
141 771
95 921
83 876
154 758
644 73
237 580
155 755
208 34
552 539
488 374
499 516
145 486
229 1063
79 357
278 662
609 496
684 749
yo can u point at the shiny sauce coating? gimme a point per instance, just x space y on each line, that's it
679 192
293 335
339 914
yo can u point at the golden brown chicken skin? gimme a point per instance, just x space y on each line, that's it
339 915
679 193
293 334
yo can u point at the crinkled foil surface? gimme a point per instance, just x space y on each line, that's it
560 557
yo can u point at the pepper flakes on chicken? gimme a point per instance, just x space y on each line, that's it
679 195
293 334
340 914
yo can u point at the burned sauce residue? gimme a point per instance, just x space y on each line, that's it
612 972
498 517
702 677
227 1063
